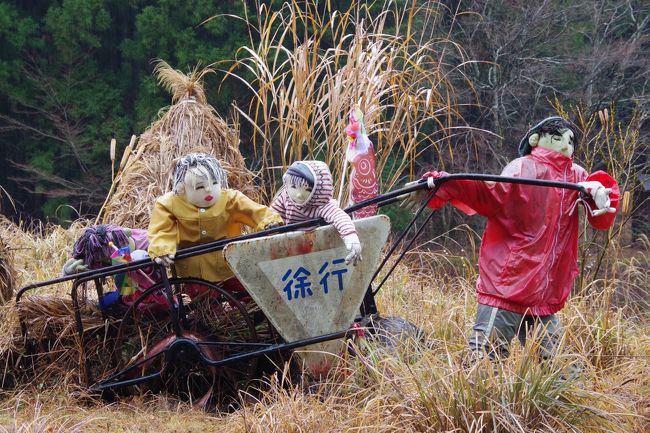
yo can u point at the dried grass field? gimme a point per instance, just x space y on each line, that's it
417 387
304 68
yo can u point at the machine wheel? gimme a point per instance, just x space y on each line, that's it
175 340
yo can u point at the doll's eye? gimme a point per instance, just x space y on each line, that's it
308 189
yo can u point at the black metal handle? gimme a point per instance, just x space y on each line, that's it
380 200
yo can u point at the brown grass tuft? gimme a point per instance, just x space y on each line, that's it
312 69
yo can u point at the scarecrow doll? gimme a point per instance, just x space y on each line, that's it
306 194
109 244
528 255
199 209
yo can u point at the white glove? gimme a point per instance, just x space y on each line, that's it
166 260
600 194
354 249
414 199
73 266
139 255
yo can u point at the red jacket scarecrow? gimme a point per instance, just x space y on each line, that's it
528 257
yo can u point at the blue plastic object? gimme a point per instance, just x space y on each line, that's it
109 299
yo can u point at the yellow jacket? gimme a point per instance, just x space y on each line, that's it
176 223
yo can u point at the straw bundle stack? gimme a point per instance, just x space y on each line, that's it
53 317
189 125
50 353
7 274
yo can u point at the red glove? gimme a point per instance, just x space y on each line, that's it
605 221
435 174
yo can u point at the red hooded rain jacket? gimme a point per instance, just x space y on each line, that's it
528 256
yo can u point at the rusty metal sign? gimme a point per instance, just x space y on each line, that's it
301 282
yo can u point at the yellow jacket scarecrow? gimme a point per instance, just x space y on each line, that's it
177 223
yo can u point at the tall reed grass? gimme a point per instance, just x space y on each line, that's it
308 63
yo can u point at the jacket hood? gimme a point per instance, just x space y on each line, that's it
551 157
323 189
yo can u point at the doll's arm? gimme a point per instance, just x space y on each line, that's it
333 214
353 246
469 196
162 234
604 198
73 266
253 214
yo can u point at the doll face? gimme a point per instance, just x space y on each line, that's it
562 143
299 193
200 190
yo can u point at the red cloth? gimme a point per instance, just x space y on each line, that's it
231 285
605 221
438 202
528 256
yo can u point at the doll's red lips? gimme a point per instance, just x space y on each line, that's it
208 198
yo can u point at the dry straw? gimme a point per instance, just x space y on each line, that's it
49 317
302 91
7 279
146 169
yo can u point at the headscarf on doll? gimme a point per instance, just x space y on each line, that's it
308 188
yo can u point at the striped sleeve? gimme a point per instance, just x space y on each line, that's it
279 205
333 214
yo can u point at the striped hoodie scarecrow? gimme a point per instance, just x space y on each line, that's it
306 194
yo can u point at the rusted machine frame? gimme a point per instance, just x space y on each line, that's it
368 306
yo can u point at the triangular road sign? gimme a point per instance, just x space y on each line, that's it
302 284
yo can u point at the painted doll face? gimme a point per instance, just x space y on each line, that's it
299 193
562 143
200 190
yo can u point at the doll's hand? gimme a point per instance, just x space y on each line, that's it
74 266
354 249
414 200
166 260
600 194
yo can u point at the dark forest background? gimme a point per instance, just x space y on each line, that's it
76 73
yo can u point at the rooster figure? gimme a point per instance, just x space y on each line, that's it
361 155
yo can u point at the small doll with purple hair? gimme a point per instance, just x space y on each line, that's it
93 250
96 248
